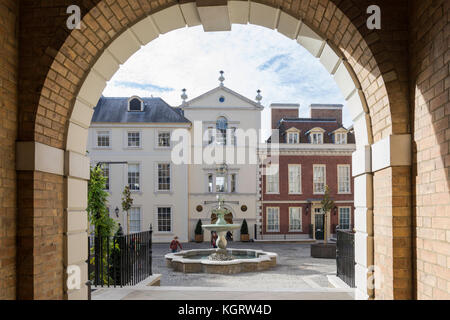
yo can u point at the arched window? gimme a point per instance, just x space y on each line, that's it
135 104
221 130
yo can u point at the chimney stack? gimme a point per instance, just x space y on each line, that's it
283 110
327 111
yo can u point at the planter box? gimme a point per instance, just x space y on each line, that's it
322 250
245 237
198 238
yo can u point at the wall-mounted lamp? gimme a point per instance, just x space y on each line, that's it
307 209
335 210
117 211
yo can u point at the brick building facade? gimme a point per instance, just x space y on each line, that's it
290 200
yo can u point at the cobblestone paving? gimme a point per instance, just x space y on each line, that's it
295 269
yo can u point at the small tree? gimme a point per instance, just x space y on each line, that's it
127 202
327 205
244 227
198 227
97 209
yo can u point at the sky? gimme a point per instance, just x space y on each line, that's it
252 57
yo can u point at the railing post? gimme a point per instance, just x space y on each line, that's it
150 249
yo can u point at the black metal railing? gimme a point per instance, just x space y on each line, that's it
345 256
121 260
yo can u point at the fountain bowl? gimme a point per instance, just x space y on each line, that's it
244 260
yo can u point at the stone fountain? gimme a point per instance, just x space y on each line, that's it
221 227
221 260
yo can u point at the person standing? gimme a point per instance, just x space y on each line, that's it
175 244
214 237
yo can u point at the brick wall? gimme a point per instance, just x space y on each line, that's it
327 114
278 114
430 90
8 132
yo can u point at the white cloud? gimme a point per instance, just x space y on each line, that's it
252 58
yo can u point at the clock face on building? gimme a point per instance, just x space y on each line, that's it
199 208
221 99
244 208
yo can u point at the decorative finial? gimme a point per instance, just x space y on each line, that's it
184 96
259 96
221 78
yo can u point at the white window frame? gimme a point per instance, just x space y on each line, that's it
157 207
158 132
342 138
127 139
339 179
291 165
140 219
267 219
319 135
140 175
301 220
349 217
109 175
132 98
157 177
324 178
295 136
277 182
109 138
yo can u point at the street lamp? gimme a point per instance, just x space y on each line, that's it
117 212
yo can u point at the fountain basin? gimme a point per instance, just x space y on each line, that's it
196 261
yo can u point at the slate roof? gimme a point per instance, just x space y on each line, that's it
306 124
115 110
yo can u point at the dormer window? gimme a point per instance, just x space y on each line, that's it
292 137
316 135
340 136
135 104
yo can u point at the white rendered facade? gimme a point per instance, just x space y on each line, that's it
148 200
242 181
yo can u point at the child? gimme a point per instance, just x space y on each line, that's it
174 245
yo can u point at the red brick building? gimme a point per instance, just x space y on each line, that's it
314 153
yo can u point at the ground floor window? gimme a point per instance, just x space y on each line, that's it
273 219
164 219
135 219
295 219
344 217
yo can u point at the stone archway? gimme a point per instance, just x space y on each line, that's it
90 56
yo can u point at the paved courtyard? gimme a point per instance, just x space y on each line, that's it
295 269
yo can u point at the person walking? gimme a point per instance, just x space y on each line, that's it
214 237
175 244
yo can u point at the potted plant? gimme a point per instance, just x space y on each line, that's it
199 231
244 232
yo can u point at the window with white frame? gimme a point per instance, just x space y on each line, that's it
295 219
164 219
134 139
163 176
293 137
210 182
233 183
273 219
105 170
340 138
316 138
344 218
295 178
103 139
319 178
135 219
221 185
163 139
134 177
221 130
272 181
135 104
343 178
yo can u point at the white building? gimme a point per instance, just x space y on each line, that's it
137 131
223 113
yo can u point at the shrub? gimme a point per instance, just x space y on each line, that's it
244 227
198 227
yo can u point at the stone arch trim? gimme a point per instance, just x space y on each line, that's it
66 100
